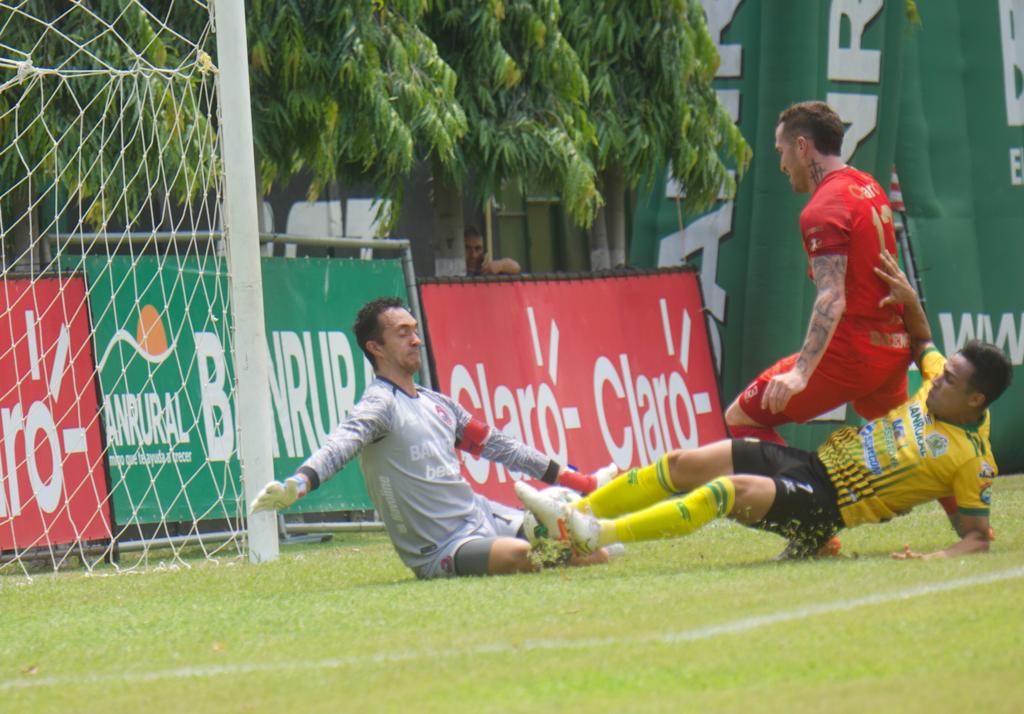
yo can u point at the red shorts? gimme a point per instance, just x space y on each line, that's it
872 389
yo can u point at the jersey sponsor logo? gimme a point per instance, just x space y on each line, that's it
442 471
866 191
428 450
870 455
391 503
898 429
937 445
917 423
867 438
889 439
987 472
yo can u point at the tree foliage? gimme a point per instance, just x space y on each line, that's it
101 99
349 90
650 64
525 97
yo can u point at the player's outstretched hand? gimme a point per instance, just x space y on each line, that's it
900 290
907 554
276 495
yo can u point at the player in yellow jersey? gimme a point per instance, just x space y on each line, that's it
934 445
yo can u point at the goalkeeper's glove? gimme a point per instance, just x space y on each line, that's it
276 495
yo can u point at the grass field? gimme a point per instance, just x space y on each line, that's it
703 624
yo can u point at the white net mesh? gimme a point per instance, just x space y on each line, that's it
117 441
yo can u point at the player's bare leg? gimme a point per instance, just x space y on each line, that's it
512 555
742 426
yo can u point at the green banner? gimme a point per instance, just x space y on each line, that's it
317 371
162 339
750 253
163 344
960 159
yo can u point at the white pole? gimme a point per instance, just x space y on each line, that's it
252 398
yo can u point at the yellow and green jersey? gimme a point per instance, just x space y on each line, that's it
908 457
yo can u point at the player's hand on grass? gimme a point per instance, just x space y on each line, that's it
781 389
907 554
276 495
900 290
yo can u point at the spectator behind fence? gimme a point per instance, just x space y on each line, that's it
478 262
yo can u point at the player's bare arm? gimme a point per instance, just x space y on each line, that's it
902 293
829 273
975 539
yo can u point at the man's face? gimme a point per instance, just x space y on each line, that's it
474 254
951 394
399 345
791 160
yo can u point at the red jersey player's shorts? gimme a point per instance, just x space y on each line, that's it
863 367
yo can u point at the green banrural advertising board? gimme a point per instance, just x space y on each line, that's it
163 344
942 101
166 373
317 369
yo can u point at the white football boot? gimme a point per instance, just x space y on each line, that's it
605 474
584 531
549 512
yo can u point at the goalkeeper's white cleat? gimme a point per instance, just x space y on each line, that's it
584 531
549 512
275 495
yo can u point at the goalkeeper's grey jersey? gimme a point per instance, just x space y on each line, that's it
407 447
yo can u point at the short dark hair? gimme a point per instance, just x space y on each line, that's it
471 231
367 324
993 371
816 120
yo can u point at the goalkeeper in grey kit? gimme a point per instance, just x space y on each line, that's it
406 437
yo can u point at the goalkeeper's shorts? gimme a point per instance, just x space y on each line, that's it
500 521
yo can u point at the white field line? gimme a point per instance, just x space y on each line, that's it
744 624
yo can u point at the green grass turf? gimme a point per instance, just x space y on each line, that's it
356 632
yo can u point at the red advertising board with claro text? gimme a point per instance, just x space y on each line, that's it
53 485
588 371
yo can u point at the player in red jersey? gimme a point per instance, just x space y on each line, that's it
857 349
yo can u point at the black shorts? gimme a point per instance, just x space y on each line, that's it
805 507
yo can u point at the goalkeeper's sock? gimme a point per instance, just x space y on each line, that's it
577 481
631 491
679 516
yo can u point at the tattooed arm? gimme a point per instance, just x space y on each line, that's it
830 278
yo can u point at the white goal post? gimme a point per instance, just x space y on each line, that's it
255 431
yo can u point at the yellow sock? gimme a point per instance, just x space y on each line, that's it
679 516
631 491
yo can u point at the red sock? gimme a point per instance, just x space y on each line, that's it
577 481
764 433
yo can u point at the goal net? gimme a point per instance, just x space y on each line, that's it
117 439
